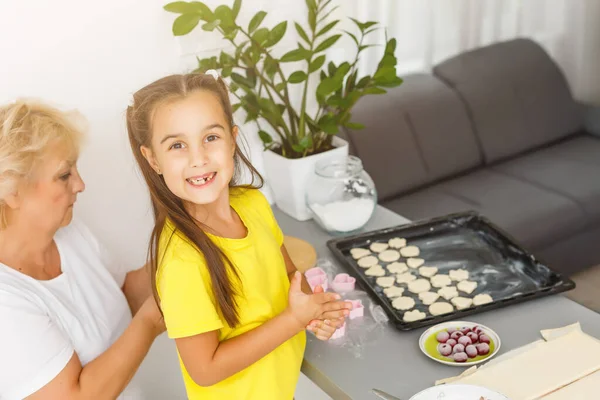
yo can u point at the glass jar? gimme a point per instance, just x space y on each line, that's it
341 195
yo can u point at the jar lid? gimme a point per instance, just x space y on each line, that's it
340 167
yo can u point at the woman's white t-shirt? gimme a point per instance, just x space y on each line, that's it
43 322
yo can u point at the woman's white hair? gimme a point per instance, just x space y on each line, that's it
29 130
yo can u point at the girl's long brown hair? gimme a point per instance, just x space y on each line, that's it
166 205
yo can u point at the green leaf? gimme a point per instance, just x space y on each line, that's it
225 59
270 67
327 43
331 68
180 7
324 5
185 23
324 17
312 19
226 72
392 82
297 77
371 31
294 55
235 107
328 86
316 64
322 75
353 36
327 27
354 125
385 73
225 15
301 32
280 86
365 46
276 34
232 34
335 101
328 124
369 24
374 90
298 148
363 82
242 81
390 48
210 26
237 5
265 137
256 21
311 4
260 35
233 87
306 142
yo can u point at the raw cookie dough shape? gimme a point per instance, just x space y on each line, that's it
376 270
389 255
403 303
405 277
358 252
481 299
386 281
440 308
440 281
410 251
397 267
459 274
448 292
397 243
415 262
467 286
393 291
378 247
428 272
367 261
428 298
419 286
461 302
414 315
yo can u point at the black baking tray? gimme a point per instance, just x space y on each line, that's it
466 240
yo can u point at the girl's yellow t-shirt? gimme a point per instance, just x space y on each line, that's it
189 307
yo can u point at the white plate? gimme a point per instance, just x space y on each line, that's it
493 336
458 392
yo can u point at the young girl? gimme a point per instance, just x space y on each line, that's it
221 271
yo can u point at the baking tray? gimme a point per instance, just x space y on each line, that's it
465 240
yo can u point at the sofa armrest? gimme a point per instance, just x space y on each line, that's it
591 118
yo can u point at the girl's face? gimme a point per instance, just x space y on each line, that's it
193 148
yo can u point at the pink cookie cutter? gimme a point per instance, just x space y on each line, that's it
339 332
343 283
358 310
316 276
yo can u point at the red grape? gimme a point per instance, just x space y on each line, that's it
465 330
484 339
459 348
445 349
456 335
483 349
461 357
471 351
452 342
465 340
451 330
477 330
443 337
473 336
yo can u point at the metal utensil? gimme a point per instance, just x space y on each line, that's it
384 395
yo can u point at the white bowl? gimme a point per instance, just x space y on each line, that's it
458 392
493 336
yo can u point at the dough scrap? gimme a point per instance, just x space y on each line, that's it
403 303
405 277
397 243
397 267
358 252
461 302
440 308
467 286
415 262
378 247
389 255
393 291
428 298
482 299
440 281
419 286
410 251
367 261
448 292
459 274
376 270
386 281
428 272
414 315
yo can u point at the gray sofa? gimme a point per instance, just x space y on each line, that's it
495 130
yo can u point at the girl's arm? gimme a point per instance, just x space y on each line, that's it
107 375
209 361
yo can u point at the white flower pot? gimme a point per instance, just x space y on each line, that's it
288 178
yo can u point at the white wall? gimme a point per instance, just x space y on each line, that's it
91 55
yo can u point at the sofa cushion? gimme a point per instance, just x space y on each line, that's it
570 168
517 96
534 216
415 134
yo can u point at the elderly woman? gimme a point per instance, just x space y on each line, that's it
66 326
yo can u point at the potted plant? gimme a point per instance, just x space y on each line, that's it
294 139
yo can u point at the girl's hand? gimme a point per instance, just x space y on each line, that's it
307 307
323 330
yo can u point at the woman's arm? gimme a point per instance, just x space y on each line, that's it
107 375
209 361
291 269
137 288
